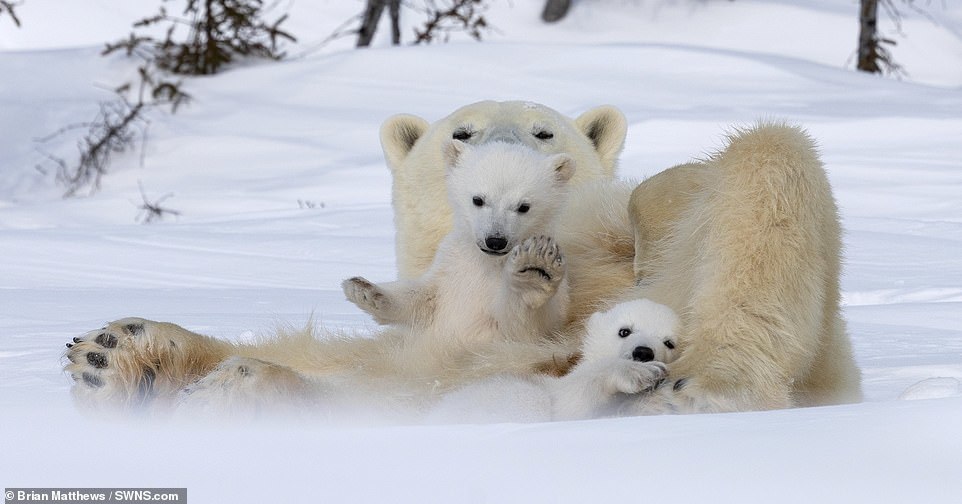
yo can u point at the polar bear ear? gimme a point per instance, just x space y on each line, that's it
563 166
398 135
606 127
451 151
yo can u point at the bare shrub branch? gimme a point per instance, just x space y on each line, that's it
466 16
9 7
151 211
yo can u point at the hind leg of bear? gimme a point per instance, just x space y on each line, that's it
136 363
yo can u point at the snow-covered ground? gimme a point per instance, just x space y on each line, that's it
277 173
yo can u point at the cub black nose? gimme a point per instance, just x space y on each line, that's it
643 354
495 243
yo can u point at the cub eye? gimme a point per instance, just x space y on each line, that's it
669 344
544 135
462 134
624 332
523 208
478 201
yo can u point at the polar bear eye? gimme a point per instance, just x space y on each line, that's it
523 208
462 134
670 344
478 201
624 332
544 135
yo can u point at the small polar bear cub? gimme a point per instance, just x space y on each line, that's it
497 276
624 353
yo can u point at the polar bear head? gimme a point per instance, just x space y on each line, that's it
594 139
502 193
640 330
413 151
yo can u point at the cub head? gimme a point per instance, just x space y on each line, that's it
640 330
503 193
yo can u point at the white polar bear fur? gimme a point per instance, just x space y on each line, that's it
745 246
412 149
473 313
607 381
472 295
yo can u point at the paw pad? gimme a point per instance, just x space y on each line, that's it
97 360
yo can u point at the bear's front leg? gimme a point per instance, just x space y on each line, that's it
594 389
400 302
535 269
136 363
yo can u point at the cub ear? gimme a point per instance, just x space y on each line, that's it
563 166
398 135
606 127
451 151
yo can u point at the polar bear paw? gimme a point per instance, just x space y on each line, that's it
368 297
634 377
537 267
111 366
688 395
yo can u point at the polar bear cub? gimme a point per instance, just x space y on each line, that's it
497 276
624 353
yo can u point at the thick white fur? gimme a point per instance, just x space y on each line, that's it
749 254
412 149
609 380
744 246
475 312
474 295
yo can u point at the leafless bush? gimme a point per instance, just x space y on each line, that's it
445 17
8 7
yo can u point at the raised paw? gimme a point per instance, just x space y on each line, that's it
537 266
634 377
106 368
132 362
538 256
368 297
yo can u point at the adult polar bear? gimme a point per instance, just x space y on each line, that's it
744 246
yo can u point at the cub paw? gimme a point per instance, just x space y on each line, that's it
367 296
108 366
634 377
537 264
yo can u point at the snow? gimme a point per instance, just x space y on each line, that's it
282 190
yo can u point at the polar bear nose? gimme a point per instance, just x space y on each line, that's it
495 242
643 354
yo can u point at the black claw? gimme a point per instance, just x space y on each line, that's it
69 345
680 384
106 340
77 340
93 380
544 274
97 360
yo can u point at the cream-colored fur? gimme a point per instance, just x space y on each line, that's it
496 276
744 246
412 149
749 255
477 310
624 354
